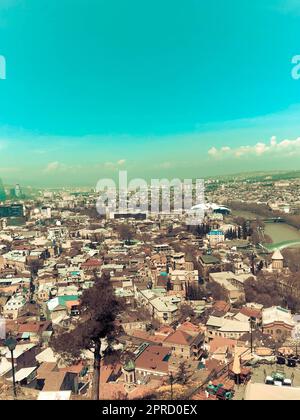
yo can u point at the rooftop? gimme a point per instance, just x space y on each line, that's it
153 359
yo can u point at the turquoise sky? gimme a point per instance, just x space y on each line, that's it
161 88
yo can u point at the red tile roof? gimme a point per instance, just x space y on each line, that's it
44 370
180 337
221 306
218 342
165 330
251 312
152 359
54 381
113 391
189 327
91 263
107 370
33 327
71 303
74 368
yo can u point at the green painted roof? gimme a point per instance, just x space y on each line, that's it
63 299
130 365
209 259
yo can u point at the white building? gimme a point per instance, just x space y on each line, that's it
13 307
226 328
216 237
46 212
163 308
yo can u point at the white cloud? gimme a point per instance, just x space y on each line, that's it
52 166
165 165
283 148
213 151
56 166
115 165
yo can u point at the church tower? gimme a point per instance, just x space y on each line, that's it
277 261
129 372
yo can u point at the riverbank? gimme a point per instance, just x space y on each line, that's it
282 235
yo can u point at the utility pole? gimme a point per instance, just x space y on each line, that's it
13 373
171 383
11 344
251 334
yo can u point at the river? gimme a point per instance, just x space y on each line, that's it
278 232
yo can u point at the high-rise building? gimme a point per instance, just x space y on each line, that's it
14 210
18 191
2 191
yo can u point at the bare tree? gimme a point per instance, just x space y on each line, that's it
99 308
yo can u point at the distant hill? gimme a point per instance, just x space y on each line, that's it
259 176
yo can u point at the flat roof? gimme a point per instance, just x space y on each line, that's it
257 391
56 395
209 259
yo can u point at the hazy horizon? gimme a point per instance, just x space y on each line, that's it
115 177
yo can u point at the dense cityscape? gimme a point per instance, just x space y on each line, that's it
142 306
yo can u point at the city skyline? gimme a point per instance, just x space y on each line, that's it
157 90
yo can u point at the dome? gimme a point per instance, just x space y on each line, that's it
129 366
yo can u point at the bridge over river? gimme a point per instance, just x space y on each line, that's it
274 220
279 232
